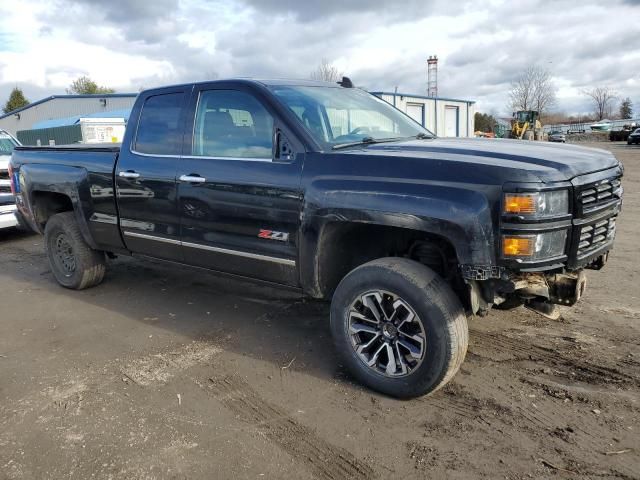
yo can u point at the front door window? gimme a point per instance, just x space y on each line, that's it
232 124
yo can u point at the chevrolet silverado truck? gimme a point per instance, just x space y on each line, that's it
328 190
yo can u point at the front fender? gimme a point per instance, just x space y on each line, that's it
461 216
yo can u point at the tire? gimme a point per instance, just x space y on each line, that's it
438 317
74 264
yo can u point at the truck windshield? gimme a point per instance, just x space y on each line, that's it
6 145
342 116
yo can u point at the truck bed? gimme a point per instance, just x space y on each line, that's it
82 173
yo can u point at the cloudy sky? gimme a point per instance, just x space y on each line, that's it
380 44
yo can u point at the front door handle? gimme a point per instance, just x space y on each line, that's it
129 174
192 179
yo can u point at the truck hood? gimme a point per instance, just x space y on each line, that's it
545 161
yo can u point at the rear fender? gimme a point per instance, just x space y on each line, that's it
72 182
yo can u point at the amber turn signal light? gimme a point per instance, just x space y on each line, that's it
517 246
519 204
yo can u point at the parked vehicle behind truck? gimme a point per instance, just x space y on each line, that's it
634 137
9 216
621 134
333 192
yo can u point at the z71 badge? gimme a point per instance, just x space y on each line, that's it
273 235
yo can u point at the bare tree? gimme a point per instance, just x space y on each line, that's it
603 98
533 90
326 72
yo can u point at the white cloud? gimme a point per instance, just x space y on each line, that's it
482 47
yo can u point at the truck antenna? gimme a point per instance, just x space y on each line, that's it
345 82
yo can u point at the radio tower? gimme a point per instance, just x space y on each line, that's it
432 76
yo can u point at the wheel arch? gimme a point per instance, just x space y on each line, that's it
55 189
342 246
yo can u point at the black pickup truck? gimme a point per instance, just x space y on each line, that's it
329 190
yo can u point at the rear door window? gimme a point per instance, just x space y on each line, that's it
159 128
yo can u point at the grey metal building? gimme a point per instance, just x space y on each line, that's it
61 106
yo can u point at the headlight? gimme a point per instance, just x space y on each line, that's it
535 247
537 204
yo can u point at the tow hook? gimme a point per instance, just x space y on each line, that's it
544 308
566 288
548 291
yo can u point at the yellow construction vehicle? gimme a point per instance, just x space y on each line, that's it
526 124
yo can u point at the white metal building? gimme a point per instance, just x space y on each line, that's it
446 117
62 106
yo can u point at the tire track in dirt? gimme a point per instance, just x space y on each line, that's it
324 460
160 367
541 418
481 413
544 423
622 373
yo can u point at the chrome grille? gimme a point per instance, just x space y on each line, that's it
4 175
600 193
594 236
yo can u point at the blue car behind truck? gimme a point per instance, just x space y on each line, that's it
328 190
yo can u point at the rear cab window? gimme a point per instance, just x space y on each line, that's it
159 127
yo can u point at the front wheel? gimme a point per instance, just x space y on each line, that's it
399 327
73 262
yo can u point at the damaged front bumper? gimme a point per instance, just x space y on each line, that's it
556 288
538 291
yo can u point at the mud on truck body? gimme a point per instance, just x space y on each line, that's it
332 192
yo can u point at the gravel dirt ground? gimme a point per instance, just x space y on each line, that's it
165 372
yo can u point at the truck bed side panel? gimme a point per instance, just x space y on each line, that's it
85 175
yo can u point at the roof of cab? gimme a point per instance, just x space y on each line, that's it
268 82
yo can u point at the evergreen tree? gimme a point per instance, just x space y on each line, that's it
626 110
16 100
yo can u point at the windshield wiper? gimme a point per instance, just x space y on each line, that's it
365 141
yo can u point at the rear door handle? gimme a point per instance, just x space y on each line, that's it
192 179
129 174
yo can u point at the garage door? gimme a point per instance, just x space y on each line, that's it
450 121
416 111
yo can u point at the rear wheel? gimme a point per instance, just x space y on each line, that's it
74 264
399 327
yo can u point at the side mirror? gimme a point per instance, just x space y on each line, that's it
282 146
